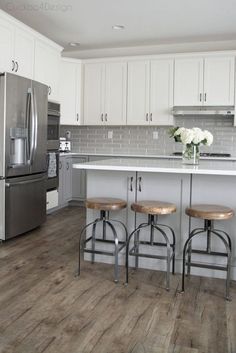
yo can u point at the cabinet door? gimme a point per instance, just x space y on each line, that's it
67 179
94 84
24 53
61 181
115 93
6 46
46 69
52 199
138 93
219 81
161 92
69 88
78 179
188 82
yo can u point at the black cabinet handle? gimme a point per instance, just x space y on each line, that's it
17 66
13 65
131 184
140 184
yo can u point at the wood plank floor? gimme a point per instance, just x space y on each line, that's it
44 307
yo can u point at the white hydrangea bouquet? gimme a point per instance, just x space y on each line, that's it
191 139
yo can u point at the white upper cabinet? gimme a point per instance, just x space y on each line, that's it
161 92
150 92
70 91
105 93
115 93
6 46
93 94
16 49
188 82
204 81
46 67
219 81
24 53
138 93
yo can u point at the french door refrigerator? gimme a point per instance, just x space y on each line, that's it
23 161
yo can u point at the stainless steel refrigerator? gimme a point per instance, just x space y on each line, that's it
23 161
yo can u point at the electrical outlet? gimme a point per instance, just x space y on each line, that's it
155 135
110 135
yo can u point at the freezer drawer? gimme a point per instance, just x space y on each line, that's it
25 204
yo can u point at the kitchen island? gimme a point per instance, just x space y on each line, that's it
171 181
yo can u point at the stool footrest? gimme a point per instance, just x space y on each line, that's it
99 252
205 252
160 257
212 267
143 242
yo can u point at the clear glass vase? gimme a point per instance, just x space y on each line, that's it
191 154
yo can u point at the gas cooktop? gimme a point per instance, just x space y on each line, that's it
204 154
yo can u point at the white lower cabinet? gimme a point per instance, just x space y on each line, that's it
216 190
78 180
65 180
72 182
52 199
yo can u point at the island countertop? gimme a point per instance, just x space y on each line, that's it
160 166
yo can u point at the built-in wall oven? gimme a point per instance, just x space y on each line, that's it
53 144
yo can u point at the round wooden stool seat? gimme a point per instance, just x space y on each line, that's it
105 204
210 212
153 207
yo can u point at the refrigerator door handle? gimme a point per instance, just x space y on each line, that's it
31 125
35 122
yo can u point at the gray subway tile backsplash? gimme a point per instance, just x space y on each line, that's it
139 139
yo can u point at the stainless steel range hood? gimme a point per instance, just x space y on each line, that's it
202 111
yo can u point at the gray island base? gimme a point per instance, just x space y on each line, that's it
212 182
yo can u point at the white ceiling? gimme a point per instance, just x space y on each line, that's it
147 22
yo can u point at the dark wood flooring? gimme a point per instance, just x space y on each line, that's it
45 308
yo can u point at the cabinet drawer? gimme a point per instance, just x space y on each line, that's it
52 199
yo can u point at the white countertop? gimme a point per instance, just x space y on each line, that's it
160 166
158 156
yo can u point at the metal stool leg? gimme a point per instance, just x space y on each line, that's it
168 256
173 244
228 263
136 244
82 242
143 225
93 242
116 253
191 235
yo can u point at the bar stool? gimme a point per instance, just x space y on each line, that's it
104 205
209 213
153 209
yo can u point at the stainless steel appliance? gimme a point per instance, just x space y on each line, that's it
53 144
53 141
23 138
203 111
207 154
